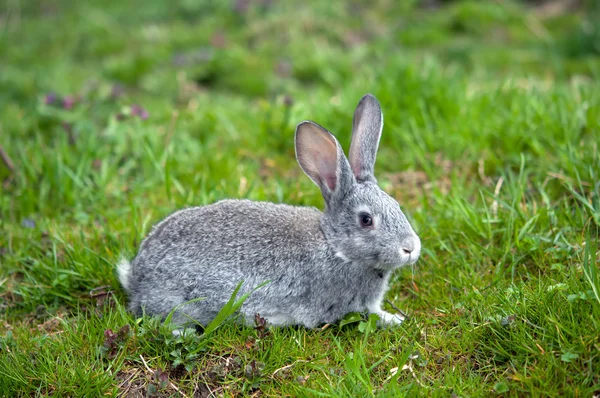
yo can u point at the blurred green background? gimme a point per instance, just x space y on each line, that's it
263 48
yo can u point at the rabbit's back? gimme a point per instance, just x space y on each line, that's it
232 231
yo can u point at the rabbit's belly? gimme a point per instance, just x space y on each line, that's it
280 319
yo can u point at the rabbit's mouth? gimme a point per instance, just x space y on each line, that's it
412 261
385 261
390 265
402 260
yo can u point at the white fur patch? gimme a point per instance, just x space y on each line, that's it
376 221
342 256
375 306
124 272
388 319
280 320
362 209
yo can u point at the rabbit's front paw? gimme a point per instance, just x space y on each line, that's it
389 320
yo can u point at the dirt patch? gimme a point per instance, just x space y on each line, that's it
132 383
50 326
410 186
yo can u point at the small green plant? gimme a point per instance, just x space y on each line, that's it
160 380
185 349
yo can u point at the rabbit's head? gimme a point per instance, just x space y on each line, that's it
361 222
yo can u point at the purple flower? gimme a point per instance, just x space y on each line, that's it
137 110
68 102
50 98
28 223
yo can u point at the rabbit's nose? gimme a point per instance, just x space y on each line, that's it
408 246
411 245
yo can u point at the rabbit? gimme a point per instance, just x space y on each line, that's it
319 266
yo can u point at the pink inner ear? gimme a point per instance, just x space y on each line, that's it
331 182
356 166
326 166
329 176
318 155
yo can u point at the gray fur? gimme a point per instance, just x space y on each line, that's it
321 266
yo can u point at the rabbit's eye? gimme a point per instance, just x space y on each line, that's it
366 220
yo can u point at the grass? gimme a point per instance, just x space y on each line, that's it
113 115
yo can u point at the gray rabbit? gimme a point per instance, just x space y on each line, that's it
320 265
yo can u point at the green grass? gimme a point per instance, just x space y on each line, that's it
490 144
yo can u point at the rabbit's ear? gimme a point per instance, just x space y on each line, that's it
322 159
366 132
